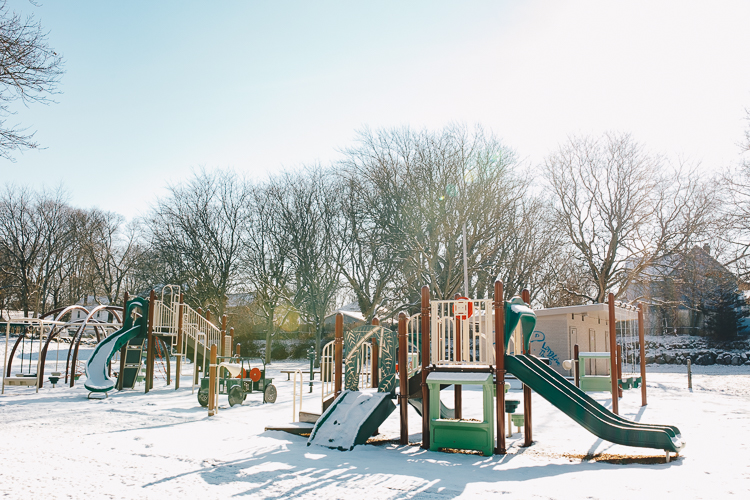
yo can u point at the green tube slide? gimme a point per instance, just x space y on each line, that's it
584 410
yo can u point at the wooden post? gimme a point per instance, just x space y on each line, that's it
212 383
457 403
338 353
642 344
223 335
500 367
178 367
576 365
613 354
150 339
167 362
425 367
403 370
231 335
375 362
208 315
238 350
527 431
124 349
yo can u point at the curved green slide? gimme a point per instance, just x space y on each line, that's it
96 366
587 412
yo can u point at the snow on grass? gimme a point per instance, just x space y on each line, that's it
58 444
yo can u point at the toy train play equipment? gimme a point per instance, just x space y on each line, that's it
460 347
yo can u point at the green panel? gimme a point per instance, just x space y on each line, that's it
596 383
587 412
353 341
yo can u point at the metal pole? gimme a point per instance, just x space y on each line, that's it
466 266
613 354
375 359
425 366
178 368
500 367
338 353
642 341
527 435
403 397
150 350
212 383
124 350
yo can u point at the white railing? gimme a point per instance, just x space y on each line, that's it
327 371
413 345
364 366
197 331
451 326
295 415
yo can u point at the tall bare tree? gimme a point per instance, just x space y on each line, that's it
421 188
267 261
622 209
36 235
113 251
197 234
308 205
29 72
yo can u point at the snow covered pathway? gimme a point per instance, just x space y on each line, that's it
57 444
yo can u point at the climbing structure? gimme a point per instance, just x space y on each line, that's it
457 344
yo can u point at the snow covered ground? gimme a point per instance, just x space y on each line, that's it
58 444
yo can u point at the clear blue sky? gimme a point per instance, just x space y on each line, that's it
155 88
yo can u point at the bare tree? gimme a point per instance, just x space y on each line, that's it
308 209
29 71
369 247
36 235
197 234
734 225
622 209
267 261
113 251
420 190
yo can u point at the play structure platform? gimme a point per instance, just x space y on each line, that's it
460 347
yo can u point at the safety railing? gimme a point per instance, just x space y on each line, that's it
364 366
295 392
327 371
462 332
413 343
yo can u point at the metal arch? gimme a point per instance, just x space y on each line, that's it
13 352
77 340
63 310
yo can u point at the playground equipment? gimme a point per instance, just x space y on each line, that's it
629 330
35 335
459 346
236 379
134 326
170 328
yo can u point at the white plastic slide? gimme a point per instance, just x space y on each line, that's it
96 367
351 419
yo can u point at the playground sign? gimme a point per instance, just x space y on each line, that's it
463 308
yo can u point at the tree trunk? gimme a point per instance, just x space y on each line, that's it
269 337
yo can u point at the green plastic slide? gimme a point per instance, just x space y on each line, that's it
587 412
97 379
